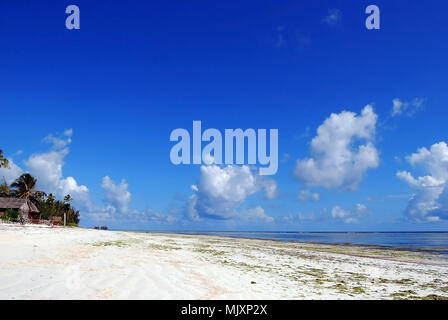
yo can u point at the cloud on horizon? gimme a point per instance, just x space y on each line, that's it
352 215
301 218
430 201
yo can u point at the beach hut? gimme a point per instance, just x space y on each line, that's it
23 206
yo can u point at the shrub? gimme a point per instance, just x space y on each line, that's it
12 215
71 224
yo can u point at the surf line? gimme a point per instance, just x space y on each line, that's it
212 153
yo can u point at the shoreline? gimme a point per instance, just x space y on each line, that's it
439 250
78 263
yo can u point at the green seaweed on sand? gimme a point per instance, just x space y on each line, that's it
116 243
340 287
156 246
397 281
358 290
206 250
404 295
314 272
130 242
434 297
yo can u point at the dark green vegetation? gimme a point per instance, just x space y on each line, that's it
50 207
10 215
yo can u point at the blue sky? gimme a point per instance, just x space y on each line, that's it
85 109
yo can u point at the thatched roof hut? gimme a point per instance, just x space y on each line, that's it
24 206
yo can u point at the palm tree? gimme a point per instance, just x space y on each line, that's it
4 189
68 198
25 188
3 161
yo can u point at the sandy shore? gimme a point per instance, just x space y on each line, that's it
38 262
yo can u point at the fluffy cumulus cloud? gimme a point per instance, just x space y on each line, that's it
220 191
10 173
430 201
117 195
47 169
406 108
307 195
333 17
352 215
342 151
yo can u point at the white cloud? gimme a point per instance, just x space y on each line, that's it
352 215
159 218
97 214
406 108
339 159
257 214
268 186
117 196
309 217
430 201
397 107
61 141
333 17
307 195
47 169
10 173
300 217
110 214
220 191
290 218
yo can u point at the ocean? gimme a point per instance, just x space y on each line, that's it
436 242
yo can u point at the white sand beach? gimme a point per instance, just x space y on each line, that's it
40 262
